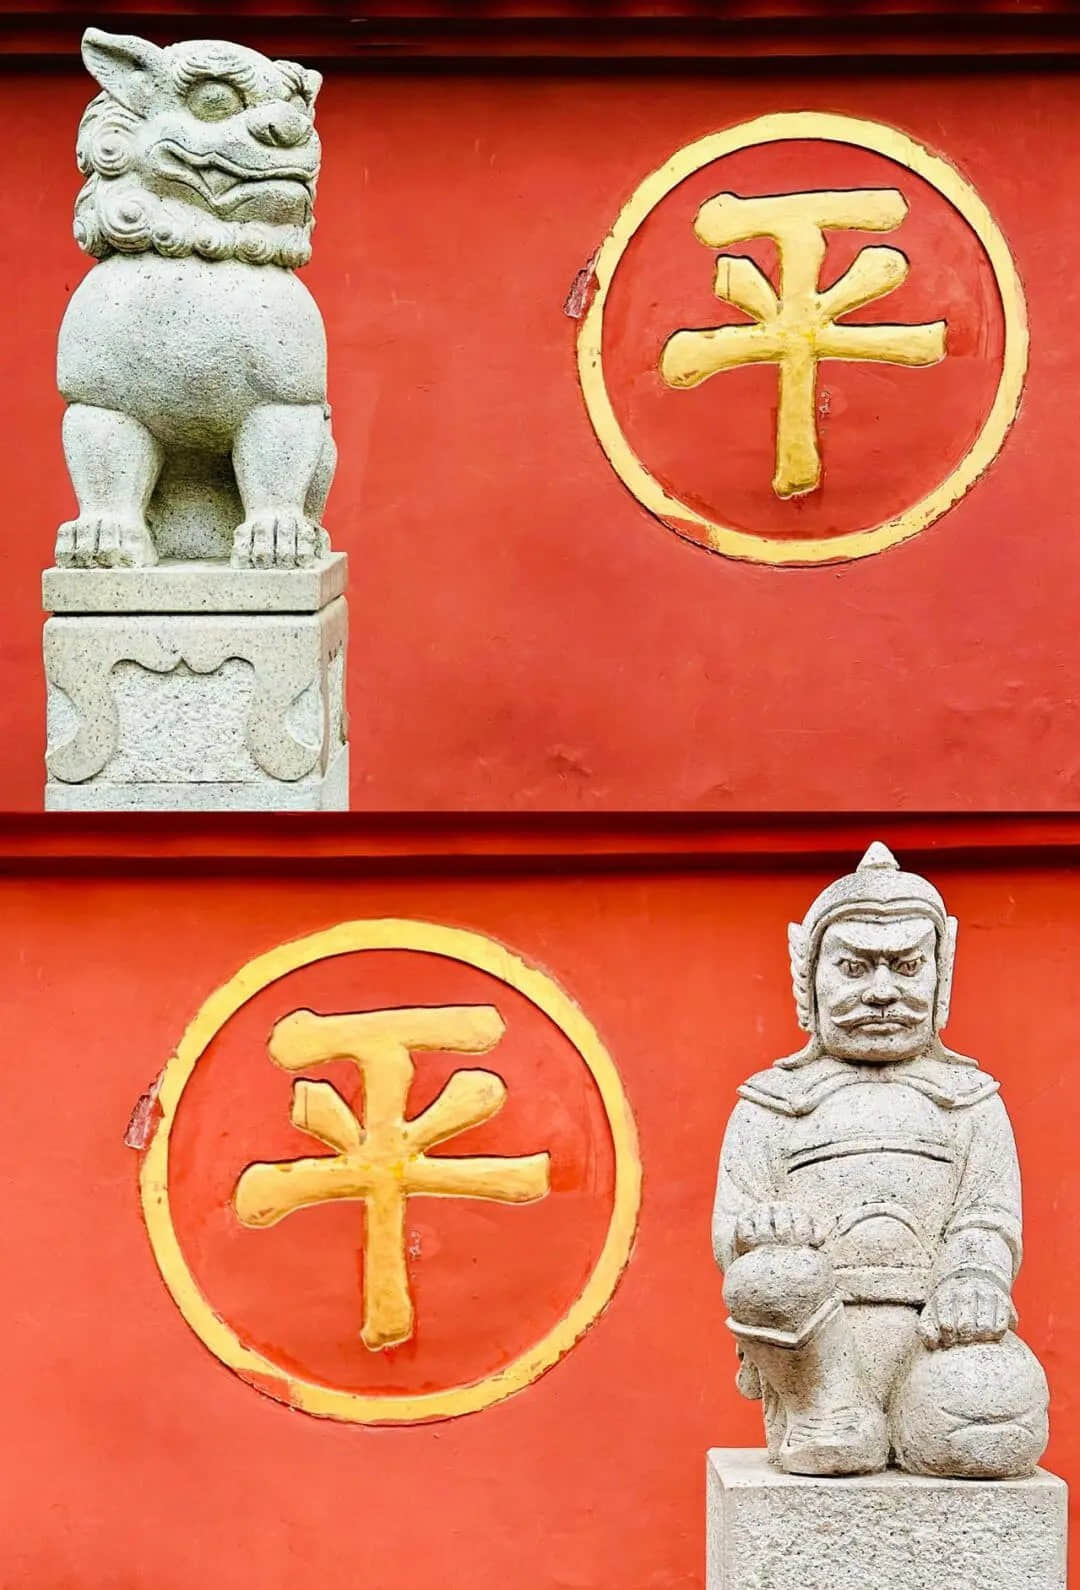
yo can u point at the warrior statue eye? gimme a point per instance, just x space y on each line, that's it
213 100
853 968
909 966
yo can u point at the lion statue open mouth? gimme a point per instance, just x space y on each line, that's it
197 424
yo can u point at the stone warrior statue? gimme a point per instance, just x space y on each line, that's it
192 358
867 1214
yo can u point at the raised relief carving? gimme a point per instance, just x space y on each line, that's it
192 359
364 1225
382 1160
739 393
796 327
116 682
867 1213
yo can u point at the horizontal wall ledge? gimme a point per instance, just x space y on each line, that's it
575 30
476 840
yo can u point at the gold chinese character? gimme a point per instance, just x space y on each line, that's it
795 327
382 1160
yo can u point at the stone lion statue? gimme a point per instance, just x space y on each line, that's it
192 359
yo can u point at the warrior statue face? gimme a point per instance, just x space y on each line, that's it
871 964
875 985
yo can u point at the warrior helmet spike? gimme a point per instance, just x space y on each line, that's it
878 857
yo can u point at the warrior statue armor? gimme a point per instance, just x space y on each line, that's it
867 1212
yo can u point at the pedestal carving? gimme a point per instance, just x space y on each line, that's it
245 711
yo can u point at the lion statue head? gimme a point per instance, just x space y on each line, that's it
202 148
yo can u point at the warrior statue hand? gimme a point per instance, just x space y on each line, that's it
777 1225
966 1308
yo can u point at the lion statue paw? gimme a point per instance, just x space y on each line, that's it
278 541
105 540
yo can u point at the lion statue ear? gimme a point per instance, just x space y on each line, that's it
124 66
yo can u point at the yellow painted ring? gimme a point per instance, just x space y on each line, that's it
735 543
455 944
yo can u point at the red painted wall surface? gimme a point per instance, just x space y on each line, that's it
133 1459
524 635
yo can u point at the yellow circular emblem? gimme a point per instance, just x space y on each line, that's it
199 1186
800 394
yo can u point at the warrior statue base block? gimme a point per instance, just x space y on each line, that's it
892 1531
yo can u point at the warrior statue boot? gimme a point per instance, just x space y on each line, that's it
789 1322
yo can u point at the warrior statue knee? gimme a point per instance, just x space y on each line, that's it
867 1213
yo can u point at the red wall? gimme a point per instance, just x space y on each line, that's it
524 635
132 1458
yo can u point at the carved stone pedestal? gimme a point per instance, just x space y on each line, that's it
195 687
892 1531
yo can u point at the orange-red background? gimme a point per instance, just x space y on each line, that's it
524 635
133 1459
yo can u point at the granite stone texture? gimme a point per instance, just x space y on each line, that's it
189 586
318 792
867 1215
174 711
772 1531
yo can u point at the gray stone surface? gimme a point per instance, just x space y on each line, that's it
890 1531
159 702
867 1213
192 359
318 792
178 586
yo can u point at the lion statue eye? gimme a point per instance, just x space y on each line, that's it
298 102
213 100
